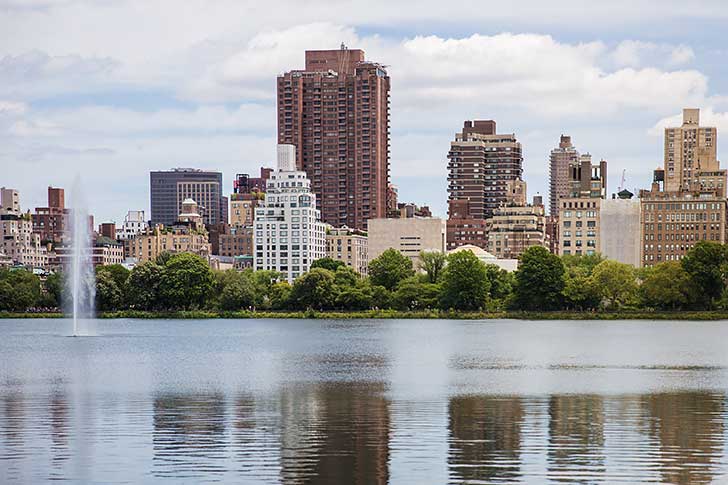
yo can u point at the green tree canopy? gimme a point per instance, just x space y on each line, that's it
314 289
19 289
667 286
345 277
327 263
706 264
539 280
465 284
580 293
615 283
108 293
279 295
414 294
239 293
187 282
117 272
585 261
143 286
501 281
389 268
433 264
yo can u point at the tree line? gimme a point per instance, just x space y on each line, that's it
459 281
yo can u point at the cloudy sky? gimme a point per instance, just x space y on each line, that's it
111 89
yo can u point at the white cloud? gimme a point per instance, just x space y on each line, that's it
708 117
681 54
12 108
634 53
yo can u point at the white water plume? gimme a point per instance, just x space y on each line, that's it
81 280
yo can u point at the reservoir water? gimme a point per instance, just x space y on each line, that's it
364 402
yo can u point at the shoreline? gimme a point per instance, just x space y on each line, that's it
389 314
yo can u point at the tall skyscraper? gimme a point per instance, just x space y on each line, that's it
168 189
560 160
289 234
481 164
690 153
336 113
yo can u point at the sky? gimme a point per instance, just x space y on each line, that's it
110 89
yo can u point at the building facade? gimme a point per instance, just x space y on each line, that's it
481 163
168 189
289 234
247 194
336 113
691 156
348 246
408 236
619 228
9 201
50 222
514 228
134 223
19 243
560 160
579 218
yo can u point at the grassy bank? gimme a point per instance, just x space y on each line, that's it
395 314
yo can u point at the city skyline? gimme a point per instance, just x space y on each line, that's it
205 96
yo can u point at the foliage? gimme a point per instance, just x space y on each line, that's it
279 295
539 281
501 281
580 292
465 284
327 263
19 290
109 295
186 282
432 263
706 264
142 286
389 268
414 294
615 283
314 289
667 286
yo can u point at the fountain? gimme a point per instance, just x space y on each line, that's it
80 279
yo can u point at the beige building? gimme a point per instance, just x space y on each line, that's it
619 228
579 226
349 246
19 243
408 236
187 236
690 156
242 209
515 228
486 258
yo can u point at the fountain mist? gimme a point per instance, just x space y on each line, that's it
81 279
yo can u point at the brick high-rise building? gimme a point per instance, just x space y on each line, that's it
560 160
50 222
690 154
336 113
481 164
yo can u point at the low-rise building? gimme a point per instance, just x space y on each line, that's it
188 235
348 246
408 236
486 258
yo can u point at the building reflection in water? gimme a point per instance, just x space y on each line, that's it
689 428
485 438
58 421
189 435
576 436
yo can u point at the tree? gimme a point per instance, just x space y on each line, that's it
389 268
381 297
465 284
186 282
414 294
345 277
53 295
117 272
263 282
706 264
579 290
432 263
501 282
143 286
667 286
615 283
237 294
314 289
539 280
19 290
279 295
108 293
585 261
327 263
358 297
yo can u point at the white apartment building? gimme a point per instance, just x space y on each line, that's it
134 223
289 234
18 243
620 228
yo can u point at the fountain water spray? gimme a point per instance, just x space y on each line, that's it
81 279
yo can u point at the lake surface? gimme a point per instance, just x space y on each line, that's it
364 402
